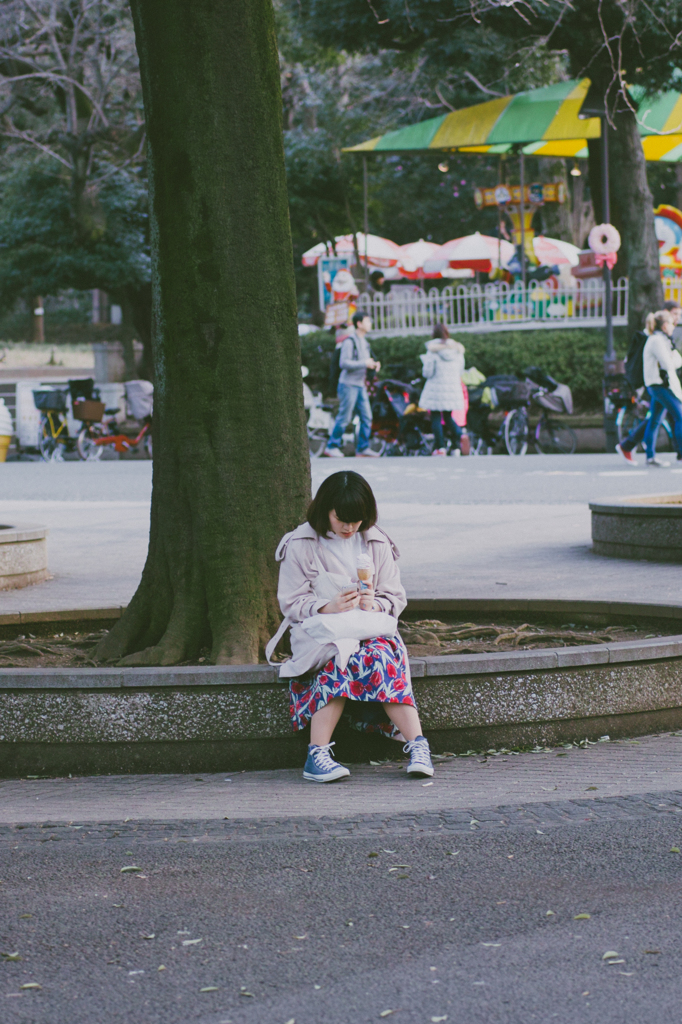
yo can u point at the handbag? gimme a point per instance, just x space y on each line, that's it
353 625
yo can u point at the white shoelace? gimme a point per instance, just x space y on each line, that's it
419 751
322 757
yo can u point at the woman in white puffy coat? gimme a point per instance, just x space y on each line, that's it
443 393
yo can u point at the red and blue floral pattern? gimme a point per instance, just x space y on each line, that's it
376 673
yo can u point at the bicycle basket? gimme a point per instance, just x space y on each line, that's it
50 401
517 395
90 411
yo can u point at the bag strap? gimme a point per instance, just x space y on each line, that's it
272 643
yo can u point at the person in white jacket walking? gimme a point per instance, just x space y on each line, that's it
443 366
661 362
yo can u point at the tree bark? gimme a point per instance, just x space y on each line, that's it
231 464
632 212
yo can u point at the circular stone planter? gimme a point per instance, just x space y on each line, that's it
647 527
23 556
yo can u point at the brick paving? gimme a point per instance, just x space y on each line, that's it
614 778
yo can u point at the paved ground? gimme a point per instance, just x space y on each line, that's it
441 906
613 769
475 527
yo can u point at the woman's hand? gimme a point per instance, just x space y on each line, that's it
343 602
367 599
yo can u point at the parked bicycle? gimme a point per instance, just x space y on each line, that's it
515 397
99 432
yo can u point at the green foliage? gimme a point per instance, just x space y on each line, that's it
574 356
44 251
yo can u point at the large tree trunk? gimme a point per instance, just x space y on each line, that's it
231 466
632 212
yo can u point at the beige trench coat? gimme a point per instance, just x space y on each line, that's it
299 554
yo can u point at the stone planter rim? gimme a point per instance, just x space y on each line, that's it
15 534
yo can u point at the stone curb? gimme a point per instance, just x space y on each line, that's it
428 669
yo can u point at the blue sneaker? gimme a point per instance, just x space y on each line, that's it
420 757
320 766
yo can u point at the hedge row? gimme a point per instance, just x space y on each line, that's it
575 356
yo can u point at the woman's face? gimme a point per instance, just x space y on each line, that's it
342 529
668 328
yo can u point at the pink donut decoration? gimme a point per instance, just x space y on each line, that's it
604 239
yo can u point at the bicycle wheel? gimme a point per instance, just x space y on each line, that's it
627 421
516 432
317 442
554 439
48 444
85 443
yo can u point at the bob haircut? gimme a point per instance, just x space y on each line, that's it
348 495
441 331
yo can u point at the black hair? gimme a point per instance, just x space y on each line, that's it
672 304
348 495
359 317
441 331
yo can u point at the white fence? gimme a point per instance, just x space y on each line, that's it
496 307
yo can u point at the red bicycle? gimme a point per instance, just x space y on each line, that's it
98 432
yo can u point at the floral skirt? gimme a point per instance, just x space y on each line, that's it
375 675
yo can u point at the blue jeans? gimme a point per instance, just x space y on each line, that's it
352 399
662 400
635 436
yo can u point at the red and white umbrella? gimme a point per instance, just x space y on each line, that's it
378 252
310 258
551 251
413 257
473 252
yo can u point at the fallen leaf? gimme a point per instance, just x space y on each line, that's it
292 1020
375 763
245 992
424 784
626 974
118 905
550 913
436 1020
301 937
386 1013
161 968
130 868
389 851
582 917
539 832
210 988
609 954
191 942
549 789
24 917
674 849
318 987
590 787
31 984
616 961
10 956
585 993
451 853
494 945
152 936
373 853
652 951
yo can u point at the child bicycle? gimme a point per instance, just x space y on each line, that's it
97 433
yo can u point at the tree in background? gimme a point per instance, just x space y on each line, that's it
72 183
492 44
231 462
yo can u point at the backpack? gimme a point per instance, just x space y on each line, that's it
335 365
634 363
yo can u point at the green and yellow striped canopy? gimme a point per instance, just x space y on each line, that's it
541 122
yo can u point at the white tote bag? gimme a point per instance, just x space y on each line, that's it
353 625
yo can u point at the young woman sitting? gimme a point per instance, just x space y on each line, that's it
320 563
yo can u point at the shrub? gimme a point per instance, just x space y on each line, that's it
575 356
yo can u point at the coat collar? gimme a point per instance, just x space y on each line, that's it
305 532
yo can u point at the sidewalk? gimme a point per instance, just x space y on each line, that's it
623 768
472 527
